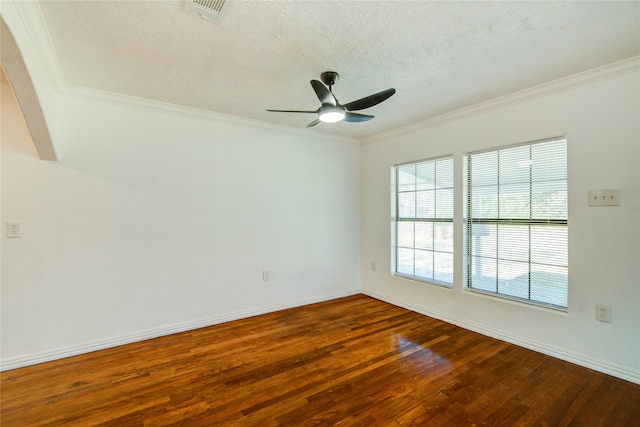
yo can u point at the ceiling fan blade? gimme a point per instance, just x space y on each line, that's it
356 117
313 123
292 111
369 101
324 95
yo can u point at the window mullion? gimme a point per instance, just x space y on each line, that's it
530 217
415 214
498 228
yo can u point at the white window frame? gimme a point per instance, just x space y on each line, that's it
436 249
533 221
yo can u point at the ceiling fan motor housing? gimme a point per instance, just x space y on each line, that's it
329 77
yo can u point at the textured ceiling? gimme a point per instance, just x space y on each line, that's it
440 56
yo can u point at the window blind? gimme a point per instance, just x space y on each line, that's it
517 234
424 220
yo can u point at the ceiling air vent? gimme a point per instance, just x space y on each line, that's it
206 8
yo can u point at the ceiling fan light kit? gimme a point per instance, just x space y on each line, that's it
331 114
331 111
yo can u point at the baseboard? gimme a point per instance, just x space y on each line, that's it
609 368
36 358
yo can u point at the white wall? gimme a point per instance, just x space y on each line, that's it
601 120
154 222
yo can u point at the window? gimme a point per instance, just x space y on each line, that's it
517 222
423 243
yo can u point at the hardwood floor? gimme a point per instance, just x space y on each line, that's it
355 361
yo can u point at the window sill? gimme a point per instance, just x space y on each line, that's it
421 280
519 301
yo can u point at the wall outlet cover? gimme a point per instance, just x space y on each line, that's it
603 312
14 229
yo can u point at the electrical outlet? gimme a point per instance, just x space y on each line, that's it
373 266
14 229
603 312
266 275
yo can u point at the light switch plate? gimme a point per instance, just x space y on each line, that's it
609 197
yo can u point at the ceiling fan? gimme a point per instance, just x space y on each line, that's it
331 110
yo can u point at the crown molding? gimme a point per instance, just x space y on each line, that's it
96 95
604 72
33 21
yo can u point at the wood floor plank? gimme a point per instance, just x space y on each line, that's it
354 361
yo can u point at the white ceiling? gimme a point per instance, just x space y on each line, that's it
440 56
